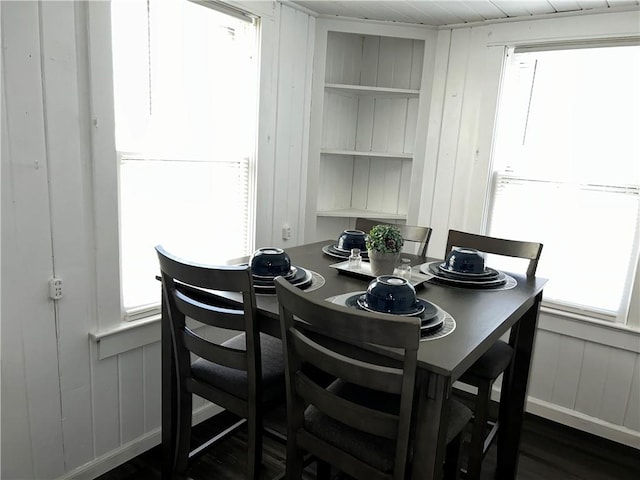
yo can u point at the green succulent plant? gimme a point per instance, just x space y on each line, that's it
385 239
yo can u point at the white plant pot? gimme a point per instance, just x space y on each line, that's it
382 263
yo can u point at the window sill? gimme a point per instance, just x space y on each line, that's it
129 335
589 329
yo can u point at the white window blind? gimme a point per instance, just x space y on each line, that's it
567 171
185 88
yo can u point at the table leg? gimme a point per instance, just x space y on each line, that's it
432 418
513 396
169 397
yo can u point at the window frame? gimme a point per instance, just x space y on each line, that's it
112 321
558 305
456 192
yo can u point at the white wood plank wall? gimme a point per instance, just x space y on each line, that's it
586 375
65 413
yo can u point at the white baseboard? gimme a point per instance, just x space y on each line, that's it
585 423
571 418
126 452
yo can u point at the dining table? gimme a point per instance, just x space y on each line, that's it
482 316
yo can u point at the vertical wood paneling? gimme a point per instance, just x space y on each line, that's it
447 150
408 146
543 368
130 372
15 436
398 124
426 211
417 63
25 298
617 386
632 414
344 65
265 174
364 132
341 118
334 190
391 191
370 56
405 182
593 379
290 107
67 175
381 125
567 371
106 414
152 386
376 188
360 186
347 127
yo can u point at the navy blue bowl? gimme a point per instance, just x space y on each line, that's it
351 239
464 260
391 294
270 262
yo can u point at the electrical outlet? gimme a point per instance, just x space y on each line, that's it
55 288
286 232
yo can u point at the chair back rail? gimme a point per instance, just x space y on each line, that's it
410 233
305 323
379 377
497 246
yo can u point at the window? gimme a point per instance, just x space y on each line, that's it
185 94
566 171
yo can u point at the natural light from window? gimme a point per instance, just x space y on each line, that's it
186 85
567 171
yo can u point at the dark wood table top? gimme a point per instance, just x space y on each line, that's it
482 316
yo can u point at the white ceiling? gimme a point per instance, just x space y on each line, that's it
453 12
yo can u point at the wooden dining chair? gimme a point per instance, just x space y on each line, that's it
362 422
410 233
244 375
485 371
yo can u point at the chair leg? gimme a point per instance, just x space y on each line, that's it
294 461
254 443
183 442
323 470
452 458
480 417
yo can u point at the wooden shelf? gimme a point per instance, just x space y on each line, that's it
357 153
354 213
376 91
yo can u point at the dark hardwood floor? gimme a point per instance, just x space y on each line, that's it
549 451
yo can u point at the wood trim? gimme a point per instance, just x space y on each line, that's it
590 330
126 452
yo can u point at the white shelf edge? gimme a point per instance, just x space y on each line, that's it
357 153
366 90
353 213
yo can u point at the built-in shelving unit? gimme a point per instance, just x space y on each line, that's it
368 97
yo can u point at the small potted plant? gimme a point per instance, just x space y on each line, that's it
384 243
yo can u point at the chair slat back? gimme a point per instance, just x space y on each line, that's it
306 323
185 286
497 246
379 377
353 414
410 233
